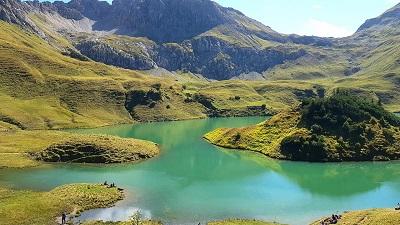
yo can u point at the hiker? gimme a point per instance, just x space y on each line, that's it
105 183
63 218
334 219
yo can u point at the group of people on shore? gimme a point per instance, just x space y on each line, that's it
334 219
112 185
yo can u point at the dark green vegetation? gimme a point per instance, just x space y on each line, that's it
342 127
42 208
361 130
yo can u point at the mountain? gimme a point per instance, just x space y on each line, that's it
199 36
62 64
14 12
389 20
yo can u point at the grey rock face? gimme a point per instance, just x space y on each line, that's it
162 20
14 12
209 56
102 52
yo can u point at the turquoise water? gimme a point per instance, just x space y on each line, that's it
193 181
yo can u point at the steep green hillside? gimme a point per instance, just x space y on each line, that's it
43 89
342 127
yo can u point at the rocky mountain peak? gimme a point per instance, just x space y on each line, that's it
162 20
14 11
390 17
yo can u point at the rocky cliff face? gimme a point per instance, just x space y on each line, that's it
209 56
163 20
14 12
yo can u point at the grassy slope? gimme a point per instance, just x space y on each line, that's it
42 208
269 135
368 217
43 89
14 146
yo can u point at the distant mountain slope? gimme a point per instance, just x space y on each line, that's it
389 20
199 36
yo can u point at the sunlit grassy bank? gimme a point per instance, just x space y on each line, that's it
19 149
368 217
42 208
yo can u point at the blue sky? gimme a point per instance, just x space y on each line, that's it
328 18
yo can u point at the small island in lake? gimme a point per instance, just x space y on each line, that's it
342 127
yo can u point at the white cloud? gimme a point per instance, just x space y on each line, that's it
323 29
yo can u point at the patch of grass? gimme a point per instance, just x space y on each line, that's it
147 222
368 217
18 147
42 208
242 222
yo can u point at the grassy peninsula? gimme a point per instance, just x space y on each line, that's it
42 208
20 149
342 127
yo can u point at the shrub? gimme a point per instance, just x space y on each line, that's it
156 86
309 148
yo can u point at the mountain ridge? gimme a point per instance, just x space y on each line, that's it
220 39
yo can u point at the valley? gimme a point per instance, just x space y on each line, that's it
87 83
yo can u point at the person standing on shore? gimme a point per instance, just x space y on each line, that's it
63 218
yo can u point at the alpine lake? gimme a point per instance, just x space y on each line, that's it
192 181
